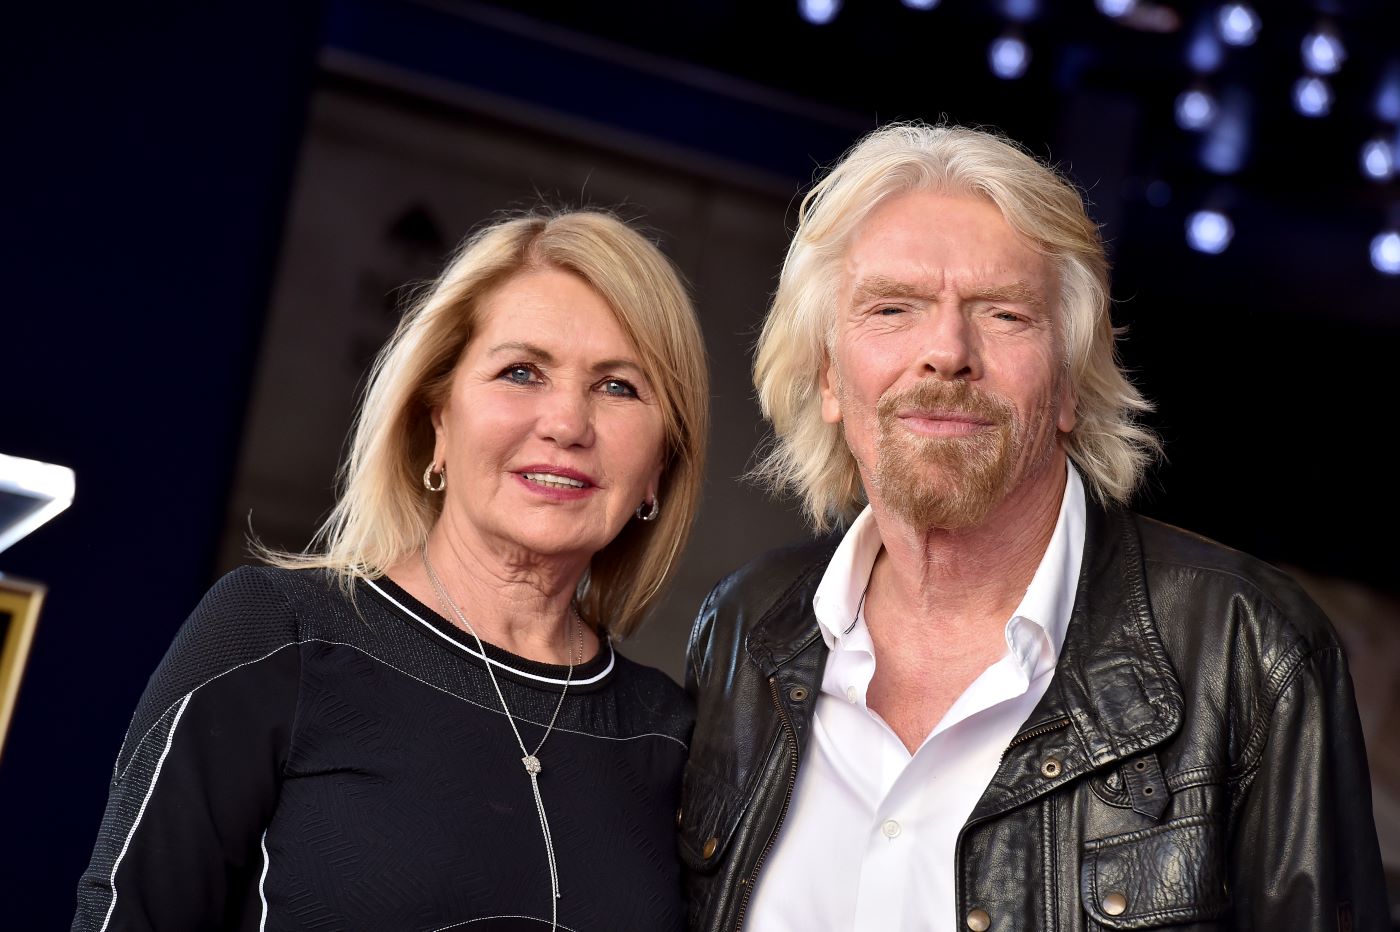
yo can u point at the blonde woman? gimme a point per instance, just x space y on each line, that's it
422 723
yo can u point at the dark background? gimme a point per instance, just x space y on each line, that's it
151 150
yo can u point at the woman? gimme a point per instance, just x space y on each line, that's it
423 724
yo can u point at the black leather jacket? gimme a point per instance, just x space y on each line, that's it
1195 763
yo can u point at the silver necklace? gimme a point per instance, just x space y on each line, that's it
530 760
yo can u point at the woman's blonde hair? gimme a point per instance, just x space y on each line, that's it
808 456
384 513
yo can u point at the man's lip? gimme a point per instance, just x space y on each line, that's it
957 417
561 471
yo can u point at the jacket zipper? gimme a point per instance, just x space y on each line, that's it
787 799
1037 731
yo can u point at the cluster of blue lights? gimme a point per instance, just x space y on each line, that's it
1223 123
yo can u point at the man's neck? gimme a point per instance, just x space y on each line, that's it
939 601
970 572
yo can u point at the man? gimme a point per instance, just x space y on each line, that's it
998 700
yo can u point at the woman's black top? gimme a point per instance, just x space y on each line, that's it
305 760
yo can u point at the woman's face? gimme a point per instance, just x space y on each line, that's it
551 434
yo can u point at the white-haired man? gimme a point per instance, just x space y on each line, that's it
998 700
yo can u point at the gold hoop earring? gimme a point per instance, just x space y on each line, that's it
428 478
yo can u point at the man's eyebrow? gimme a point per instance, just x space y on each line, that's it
876 287
525 349
880 286
1017 292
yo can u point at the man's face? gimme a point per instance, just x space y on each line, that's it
946 372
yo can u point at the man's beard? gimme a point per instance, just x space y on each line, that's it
952 482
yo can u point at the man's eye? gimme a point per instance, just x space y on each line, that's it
1009 316
889 310
619 388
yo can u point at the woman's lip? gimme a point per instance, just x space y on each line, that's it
563 472
558 493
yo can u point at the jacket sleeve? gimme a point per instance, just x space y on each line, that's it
196 780
1305 852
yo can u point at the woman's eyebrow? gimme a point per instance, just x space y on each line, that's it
528 349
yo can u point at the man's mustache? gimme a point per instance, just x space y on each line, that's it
935 397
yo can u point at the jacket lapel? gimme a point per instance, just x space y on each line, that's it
1113 694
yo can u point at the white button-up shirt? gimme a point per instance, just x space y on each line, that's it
869 837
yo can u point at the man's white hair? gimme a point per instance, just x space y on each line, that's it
808 456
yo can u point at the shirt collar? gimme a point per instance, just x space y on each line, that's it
1036 630
1049 599
839 594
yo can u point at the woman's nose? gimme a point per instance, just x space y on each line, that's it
567 417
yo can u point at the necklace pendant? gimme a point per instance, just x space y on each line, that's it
532 764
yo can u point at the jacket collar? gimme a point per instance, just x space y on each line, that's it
1114 680
1114 693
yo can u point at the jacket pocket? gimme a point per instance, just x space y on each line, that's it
1166 875
709 814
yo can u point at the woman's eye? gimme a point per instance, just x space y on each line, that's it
520 375
619 388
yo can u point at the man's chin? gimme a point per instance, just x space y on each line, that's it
941 502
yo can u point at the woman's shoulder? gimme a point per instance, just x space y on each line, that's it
661 705
253 610
274 593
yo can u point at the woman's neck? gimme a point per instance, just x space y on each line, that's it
519 602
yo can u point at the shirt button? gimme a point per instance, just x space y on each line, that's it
890 828
851 693
978 920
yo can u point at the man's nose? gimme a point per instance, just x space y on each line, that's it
948 346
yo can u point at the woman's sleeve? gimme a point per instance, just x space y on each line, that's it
196 780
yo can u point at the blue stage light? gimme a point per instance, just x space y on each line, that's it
1385 252
1225 143
1195 109
1020 11
1312 97
1009 57
920 4
1116 8
1323 52
1209 231
1378 160
1205 53
1238 24
1387 104
818 12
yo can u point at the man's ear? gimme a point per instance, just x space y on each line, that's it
1069 408
831 405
